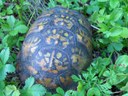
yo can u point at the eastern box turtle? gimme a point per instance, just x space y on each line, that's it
57 46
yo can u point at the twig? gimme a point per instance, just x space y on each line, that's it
117 92
95 27
5 17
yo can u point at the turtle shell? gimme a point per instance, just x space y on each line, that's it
57 46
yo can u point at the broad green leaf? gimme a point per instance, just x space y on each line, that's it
84 1
11 90
115 31
116 14
13 32
114 3
102 0
124 33
126 94
2 85
125 88
60 91
4 55
38 90
31 89
115 47
2 93
93 92
11 21
75 78
8 68
122 63
1 2
80 86
120 78
29 82
21 28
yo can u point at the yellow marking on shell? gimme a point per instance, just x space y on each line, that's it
62 16
40 53
48 40
55 15
64 59
36 39
74 58
61 68
73 50
58 55
67 17
42 63
53 71
47 54
79 37
70 18
56 42
32 70
57 62
47 60
62 38
62 23
48 82
69 25
41 27
33 49
69 80
51 59
65 43
66 34
62 79
39 81
80 21
66 80
70 38
48 31
54 31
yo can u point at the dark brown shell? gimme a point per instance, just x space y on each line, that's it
57 46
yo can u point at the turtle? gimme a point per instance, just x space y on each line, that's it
57 46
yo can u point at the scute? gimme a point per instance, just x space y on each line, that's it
57 46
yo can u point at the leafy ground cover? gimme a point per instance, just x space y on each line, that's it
108 73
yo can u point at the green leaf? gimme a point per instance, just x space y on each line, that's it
29 82
8 68
11 21
114 3
114 46
125 88
2 85
124 33
102 0
13 32
115 31
21 28
116 14
125 94
122 63
80 86
75 78
93 92
4 55
11 90
31 89
60 91
1 2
